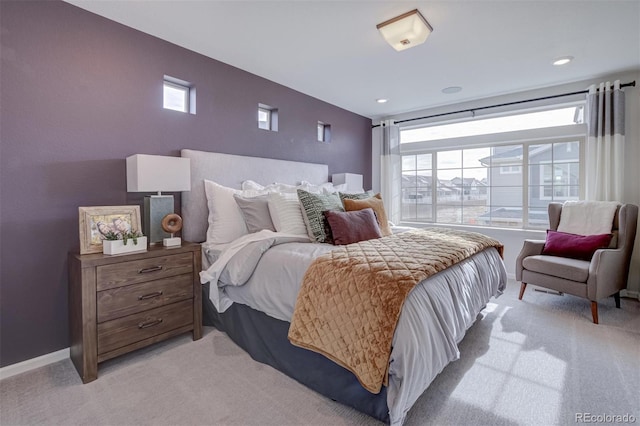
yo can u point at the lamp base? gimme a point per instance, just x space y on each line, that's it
156 207
172 242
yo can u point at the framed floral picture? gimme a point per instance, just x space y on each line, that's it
96 222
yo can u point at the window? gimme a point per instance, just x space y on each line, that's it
557 171
523 121
324 132
508 170
497 183
178 95
267 117
264 118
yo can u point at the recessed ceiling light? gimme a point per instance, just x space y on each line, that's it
452 89
563 60
381 100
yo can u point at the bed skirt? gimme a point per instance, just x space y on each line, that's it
265 339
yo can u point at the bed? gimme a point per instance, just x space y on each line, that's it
256 313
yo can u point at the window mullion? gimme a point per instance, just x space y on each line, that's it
434 187
525 185
581 163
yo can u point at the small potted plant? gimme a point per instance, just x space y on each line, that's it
124 242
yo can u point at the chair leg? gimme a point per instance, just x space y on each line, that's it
617 299
523 286
594 311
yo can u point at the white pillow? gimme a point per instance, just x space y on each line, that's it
272 187
323 188
281 187
226 222
251 185
286 213
287 188
335 188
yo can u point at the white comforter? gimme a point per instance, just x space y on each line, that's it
265 271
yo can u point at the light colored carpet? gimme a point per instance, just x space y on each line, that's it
539 361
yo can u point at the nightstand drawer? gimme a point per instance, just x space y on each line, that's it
126 273
121 301
133 328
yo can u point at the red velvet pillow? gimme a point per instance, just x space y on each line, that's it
574 246
354 226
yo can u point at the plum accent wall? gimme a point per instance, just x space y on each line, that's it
80 93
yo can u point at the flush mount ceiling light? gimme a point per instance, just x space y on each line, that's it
563 60
405 31
381 100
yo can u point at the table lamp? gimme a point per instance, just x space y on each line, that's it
352 180
157 173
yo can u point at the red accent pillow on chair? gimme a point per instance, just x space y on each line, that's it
574 246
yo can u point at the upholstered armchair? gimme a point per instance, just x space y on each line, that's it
602 276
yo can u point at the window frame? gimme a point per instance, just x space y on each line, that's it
323 132
524 184
272 117
267 121
183 89
580 105
189 93
524 138
544 184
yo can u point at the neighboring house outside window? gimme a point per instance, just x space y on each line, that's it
510 169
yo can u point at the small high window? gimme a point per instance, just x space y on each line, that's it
267 117
179 95
264 118
324 132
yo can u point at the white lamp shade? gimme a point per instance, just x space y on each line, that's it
156 173
405 31
353 181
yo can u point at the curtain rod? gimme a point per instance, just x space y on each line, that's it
473 110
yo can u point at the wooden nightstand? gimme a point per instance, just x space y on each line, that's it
121 303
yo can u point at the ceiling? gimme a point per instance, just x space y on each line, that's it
331 49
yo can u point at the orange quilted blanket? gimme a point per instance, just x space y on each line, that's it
351 297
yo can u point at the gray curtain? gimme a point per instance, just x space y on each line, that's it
604 153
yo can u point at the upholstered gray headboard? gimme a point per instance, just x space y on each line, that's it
231 170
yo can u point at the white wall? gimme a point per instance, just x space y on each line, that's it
512 239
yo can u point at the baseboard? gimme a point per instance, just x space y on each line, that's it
630 294
33 363
511 276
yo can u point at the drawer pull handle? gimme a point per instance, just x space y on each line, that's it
150 295
149 323
152 269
